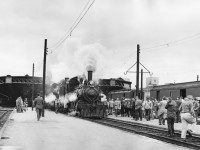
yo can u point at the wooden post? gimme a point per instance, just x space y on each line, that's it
141 95
32 86
44 72
137 70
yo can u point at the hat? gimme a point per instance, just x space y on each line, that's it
169 98
190 97
164 98
198 98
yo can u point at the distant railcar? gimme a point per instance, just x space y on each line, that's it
176 90
169 90
121 93
124 94
128 93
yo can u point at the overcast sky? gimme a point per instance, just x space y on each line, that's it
107 37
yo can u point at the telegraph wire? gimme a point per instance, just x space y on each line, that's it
67 33
74 25
83 16
165 45
120 61
172 43
80 13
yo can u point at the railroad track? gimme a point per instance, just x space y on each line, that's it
4 115
151 131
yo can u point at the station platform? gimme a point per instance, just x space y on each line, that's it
61 132
154 122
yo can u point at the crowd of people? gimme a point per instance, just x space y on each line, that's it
134 107
166 110
21 106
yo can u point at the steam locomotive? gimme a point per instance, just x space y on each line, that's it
89 102
87 97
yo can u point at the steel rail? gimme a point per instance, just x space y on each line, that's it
150 131
3 114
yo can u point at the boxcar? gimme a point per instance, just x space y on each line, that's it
176 90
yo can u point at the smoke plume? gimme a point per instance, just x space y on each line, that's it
51 97
75 58
91 65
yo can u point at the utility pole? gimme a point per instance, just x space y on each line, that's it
141 95
32 86
44 73
137 70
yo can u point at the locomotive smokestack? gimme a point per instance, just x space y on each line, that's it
89 75
90 68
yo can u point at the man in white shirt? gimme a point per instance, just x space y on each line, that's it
147 108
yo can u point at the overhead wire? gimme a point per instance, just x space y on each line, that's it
83 15
74 25
172 43
168 44
165 45
119 62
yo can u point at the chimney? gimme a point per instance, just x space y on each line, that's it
89 75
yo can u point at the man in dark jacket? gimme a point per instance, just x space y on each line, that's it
122 107
178 104
171 115
39 102
133 108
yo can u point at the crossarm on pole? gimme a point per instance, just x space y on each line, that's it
125 73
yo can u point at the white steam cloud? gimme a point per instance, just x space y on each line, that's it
71 97
91 65
74 58
51 97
